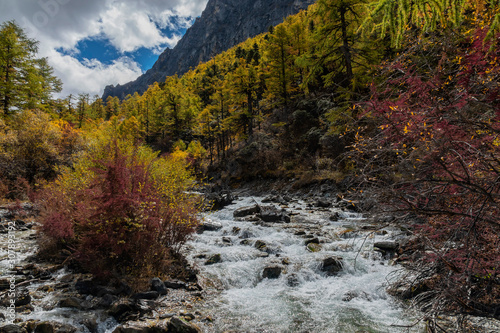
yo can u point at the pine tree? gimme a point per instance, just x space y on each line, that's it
25 81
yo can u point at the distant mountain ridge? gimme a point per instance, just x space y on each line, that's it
223 24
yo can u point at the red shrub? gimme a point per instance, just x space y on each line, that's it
119 223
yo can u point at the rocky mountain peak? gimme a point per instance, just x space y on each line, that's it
223 24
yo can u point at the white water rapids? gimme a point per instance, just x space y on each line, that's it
303 298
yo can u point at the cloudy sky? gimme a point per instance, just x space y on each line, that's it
93 43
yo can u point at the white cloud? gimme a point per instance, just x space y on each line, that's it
127 24
91 76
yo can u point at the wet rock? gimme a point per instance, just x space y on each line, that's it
245 234
208 226
246 211
335 217
91 324
214 259
322 203
11 328
261 245
300 233
293 280
4 284
23 297
226 240
177 325
386 246
245 242
313 247
85 287
124 310
349 296
332 265
175 284
273 214
146 295
236 230
53 327
218 200
140 328
314 240
106 301
272 272
158 286
70 302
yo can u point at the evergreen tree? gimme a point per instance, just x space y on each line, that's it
25 81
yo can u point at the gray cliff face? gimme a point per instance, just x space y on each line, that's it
223 24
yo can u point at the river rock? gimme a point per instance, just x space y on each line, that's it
11 328
322 203
175 284
70 302
314 240
246 211
141 328
386 246
208 226
272 272
313 247
124 310
214 259
146 295
177 325
159 286
218 200
261 245
335 217
4 284
23 297
273 214
53 327
332 265
293 280
85 287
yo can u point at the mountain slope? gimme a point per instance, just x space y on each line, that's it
223 24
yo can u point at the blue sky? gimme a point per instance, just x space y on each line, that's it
100 48
94 43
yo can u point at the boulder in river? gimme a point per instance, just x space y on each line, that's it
218 200
246 211
53 327
313 247
124 310
146 295
332 265
11 328
177 325
23 297
314 240
386 246
273 214
175 284
208 225
137 327
214 259
272 272
159 286
70 302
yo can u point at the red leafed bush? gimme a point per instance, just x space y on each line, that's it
435 150
119 223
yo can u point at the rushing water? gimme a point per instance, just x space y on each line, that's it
303 298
